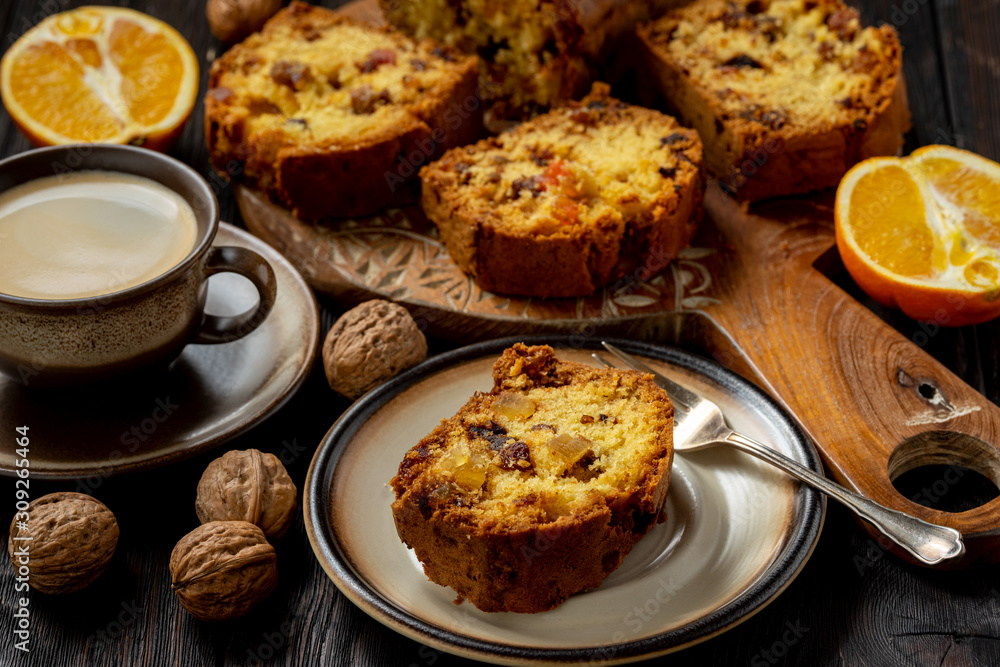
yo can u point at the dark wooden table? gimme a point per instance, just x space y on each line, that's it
851 605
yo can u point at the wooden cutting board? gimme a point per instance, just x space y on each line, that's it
747 292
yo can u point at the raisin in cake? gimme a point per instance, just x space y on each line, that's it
539 489
586 194
786 94
534 55
332 117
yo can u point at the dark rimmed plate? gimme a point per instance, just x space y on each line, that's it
210 394
738 531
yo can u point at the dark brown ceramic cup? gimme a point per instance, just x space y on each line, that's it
57 343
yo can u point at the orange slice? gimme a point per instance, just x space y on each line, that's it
100 74
922 233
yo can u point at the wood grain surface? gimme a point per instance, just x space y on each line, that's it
852 605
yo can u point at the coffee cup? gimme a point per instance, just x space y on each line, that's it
64 331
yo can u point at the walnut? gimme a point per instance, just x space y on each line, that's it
234 20
370 344
247 486
72 539
222 569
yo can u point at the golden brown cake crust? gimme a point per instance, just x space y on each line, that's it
541 211
854 104
526 556
271 112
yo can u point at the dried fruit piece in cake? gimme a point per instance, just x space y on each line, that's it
518 502
786 94
533 54
334 118
584 195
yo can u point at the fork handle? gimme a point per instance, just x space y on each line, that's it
927 542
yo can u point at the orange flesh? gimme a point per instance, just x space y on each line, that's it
47 81
151 71
87 50
971 190
889 222
100 74
923 233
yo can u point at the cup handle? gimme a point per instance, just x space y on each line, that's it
250 265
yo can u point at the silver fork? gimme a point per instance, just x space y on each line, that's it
699 423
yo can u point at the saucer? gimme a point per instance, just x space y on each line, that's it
209 395
737 533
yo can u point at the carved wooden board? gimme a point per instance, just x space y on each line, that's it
397 255
745 292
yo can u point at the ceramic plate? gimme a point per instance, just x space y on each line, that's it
738 531
209 395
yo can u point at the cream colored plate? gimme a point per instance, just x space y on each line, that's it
737 533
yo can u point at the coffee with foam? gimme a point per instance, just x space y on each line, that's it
90 233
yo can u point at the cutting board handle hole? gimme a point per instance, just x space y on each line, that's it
927 390
945 470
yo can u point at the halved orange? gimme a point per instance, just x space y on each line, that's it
922 233
100 74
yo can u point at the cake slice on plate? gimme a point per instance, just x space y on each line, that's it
540 488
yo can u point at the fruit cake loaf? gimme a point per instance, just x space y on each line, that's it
539 489
533 54
786 94
332 117
569 201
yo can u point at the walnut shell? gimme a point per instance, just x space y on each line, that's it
370 344
247 486
234 20
222 569
73 537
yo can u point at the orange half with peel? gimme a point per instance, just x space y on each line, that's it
100 74
922 233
